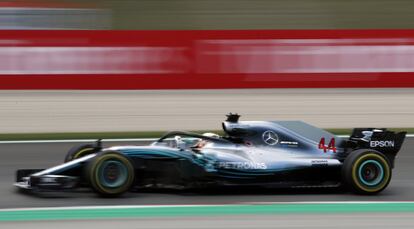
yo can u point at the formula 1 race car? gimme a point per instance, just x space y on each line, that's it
252 153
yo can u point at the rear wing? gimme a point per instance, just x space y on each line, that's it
382 140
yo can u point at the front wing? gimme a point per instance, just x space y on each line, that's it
50 179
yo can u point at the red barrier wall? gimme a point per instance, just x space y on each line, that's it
206 59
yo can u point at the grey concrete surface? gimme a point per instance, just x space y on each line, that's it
15 156
357 220
79 111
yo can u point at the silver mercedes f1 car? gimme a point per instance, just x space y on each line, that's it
251 153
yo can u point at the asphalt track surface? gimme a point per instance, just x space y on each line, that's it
43 155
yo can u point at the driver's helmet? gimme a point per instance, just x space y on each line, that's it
211 135
202 142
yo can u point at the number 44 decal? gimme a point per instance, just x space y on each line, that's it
331 145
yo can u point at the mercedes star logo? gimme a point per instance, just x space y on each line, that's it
270 138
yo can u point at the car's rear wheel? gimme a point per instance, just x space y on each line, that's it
80 151
366 172
110 174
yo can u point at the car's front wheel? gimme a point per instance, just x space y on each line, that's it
110 174
366 171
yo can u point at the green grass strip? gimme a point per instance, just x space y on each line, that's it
191 211
141 134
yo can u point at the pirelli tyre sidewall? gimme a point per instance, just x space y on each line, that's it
79 151
98 176
366 171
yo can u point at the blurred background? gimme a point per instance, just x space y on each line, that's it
53 15
207 14
300 51
81 66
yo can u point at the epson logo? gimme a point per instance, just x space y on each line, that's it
382 143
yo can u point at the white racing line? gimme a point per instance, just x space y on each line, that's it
81 140
200 205
111 140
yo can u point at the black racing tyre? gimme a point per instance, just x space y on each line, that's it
110 174
80 151
366 171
